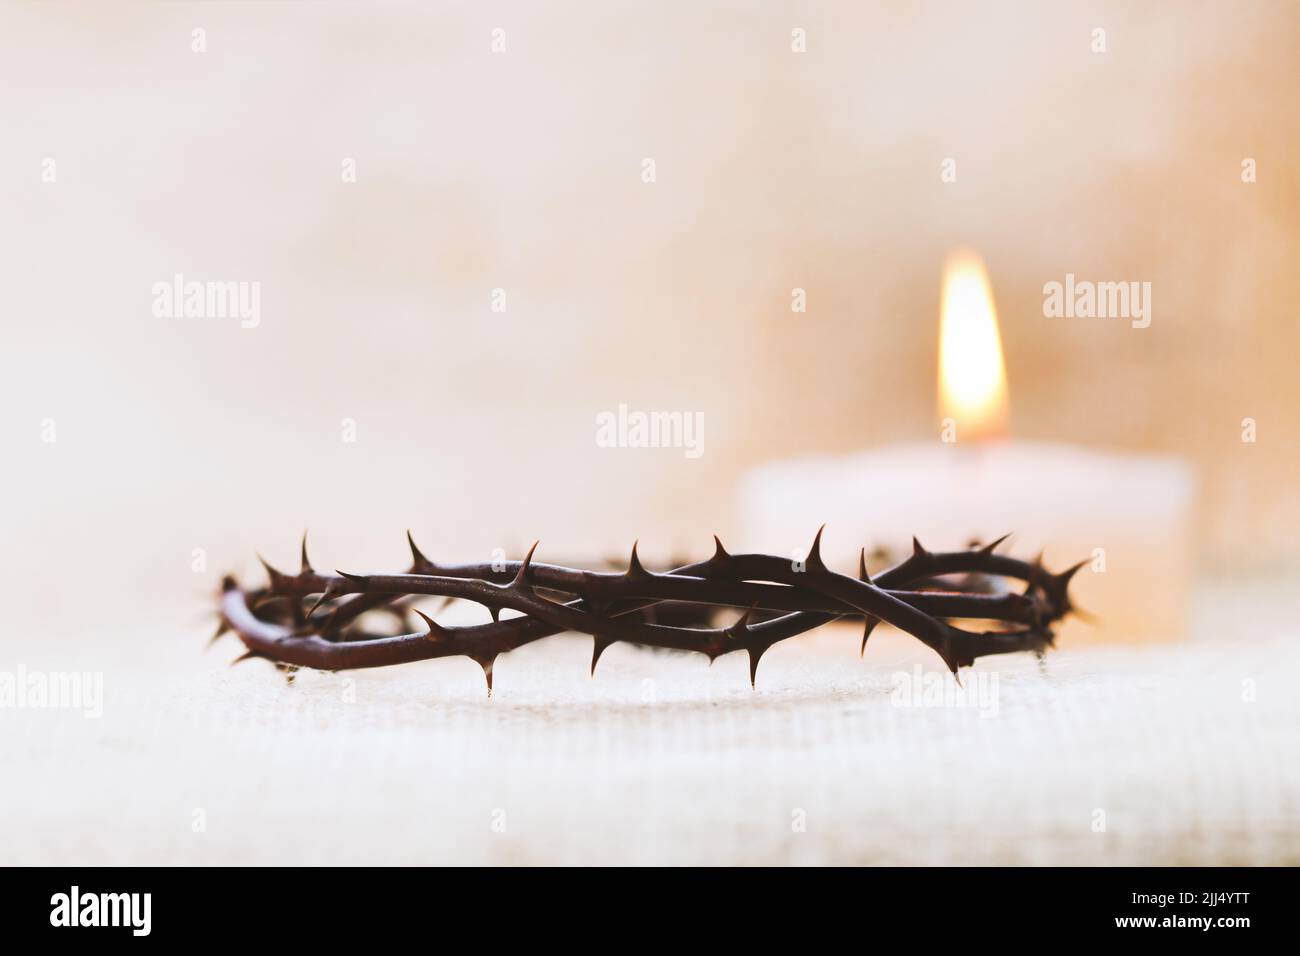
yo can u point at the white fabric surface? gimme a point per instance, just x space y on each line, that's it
419 767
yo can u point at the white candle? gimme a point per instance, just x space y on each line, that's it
1127 516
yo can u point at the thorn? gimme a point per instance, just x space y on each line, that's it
246 656
306 565
322 598
1063 579
918 550
992 545
955 658
437 632
814 559
521 576
495 611
278 579
1036 572
720 556
222 628
862 566
355 578
598 646
755 654
486 664
866 633
419 563
634 567
740 627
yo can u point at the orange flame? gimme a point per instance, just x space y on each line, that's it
972 376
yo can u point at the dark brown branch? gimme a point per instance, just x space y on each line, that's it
604 605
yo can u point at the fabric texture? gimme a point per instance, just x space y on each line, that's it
1171 754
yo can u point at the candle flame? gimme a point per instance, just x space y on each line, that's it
972 377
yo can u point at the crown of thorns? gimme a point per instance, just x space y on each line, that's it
314 620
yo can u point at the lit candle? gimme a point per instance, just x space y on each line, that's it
1127 516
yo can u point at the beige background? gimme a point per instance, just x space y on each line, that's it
522 171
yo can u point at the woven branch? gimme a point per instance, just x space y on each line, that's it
918 596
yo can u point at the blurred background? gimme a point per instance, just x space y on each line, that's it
522 171
146 456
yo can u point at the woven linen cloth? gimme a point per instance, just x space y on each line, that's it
1170 754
